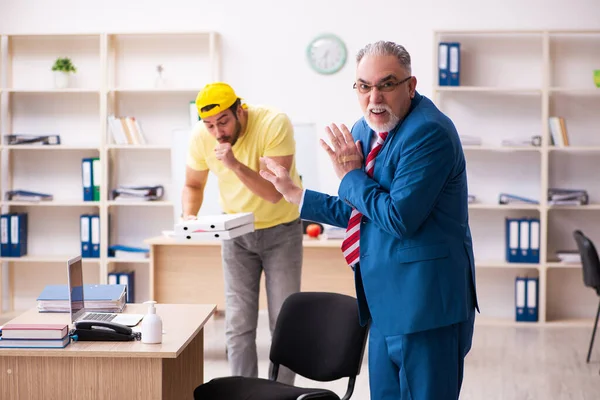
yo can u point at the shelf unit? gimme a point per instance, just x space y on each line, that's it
116 74
511 83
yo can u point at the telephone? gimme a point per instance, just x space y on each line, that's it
103 331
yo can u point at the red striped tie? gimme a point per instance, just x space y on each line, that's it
351 243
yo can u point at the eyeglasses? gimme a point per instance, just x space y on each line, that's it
386 86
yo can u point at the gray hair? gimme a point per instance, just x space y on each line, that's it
383 48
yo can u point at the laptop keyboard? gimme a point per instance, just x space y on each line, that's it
99 317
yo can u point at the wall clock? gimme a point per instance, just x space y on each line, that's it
326 54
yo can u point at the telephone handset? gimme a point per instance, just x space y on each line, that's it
103 331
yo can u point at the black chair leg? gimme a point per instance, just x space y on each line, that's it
593 334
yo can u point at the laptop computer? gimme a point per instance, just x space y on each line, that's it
77 303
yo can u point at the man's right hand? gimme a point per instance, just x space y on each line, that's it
281 180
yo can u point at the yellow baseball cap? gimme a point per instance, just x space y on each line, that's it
218 93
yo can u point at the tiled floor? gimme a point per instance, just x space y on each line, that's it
511 363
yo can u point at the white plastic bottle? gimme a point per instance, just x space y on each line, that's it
151 325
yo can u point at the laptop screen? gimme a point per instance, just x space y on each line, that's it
75 278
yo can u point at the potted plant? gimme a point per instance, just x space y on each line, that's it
62 68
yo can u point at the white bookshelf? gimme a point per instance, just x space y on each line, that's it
511 82
116 75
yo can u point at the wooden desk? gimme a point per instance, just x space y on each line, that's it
111 370
186 272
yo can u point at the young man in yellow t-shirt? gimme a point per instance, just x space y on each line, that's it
229 142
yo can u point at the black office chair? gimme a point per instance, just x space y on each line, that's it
591 273
318 336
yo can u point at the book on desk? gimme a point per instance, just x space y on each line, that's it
34 336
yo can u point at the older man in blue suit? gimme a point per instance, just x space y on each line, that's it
408 238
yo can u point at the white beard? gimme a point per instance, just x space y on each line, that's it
388 126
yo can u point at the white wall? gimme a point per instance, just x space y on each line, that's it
264 41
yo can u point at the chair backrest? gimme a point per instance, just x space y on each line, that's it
319 336
589 260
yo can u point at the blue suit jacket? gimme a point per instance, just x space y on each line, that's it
416 267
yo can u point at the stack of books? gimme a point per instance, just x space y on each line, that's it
223 226
34 335
101 298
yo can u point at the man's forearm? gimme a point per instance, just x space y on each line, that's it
256 183
191 200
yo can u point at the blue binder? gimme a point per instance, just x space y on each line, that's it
95 236
533 254
443 78
520 299
532 299
86 235
18 234
454 64
127 279
512 240
86 179
5 235
113 278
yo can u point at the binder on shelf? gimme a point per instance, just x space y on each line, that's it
128 252
96 178
512 240
113 278
220 222
508 198
443 64
95 236
86 235
23 139
534 240
5 235
18 235
524 252
520 299
25 195
86 178
454 64
532 299
127 279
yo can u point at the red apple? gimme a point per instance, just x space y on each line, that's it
313 230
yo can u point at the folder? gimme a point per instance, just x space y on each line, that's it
532 299
127 279
443 64
534 240
96 178
86 179
512 240
524 253
5 235
454 64
18 235
207 235
85 233
220 222
95 236
520 299
113 278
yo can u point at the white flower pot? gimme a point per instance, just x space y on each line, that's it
61 79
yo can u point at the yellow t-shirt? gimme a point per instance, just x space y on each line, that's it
268 133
